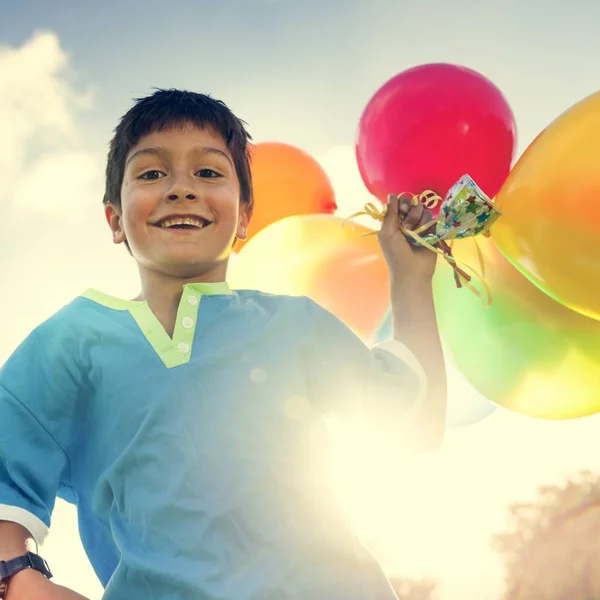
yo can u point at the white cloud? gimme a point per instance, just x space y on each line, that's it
53 185
37 119
36 103
55 242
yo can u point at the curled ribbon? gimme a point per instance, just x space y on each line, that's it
430 200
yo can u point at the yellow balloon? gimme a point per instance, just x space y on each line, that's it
550 228
318 257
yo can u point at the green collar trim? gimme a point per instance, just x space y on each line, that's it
220 288
111 301
177 350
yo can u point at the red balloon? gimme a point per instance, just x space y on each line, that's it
430 125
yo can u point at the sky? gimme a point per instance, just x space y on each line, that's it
299 73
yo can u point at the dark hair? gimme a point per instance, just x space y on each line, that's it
170 108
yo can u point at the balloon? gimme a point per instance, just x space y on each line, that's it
286 181
466 406
551 204
525 352
314 256
428 126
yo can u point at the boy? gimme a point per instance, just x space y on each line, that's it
186 424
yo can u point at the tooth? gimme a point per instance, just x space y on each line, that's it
184 221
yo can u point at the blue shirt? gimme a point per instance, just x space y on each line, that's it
198 462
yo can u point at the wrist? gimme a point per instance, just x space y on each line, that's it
411 293
413 307
24 583
411 282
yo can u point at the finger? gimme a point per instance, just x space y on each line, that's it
390 219
404 206
428 218
413 216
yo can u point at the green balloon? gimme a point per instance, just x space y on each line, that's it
525 351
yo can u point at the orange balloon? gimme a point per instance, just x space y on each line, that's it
286 181
550 228
315 256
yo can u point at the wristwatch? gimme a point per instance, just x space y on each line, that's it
8 568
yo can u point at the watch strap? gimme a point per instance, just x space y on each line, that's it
11 567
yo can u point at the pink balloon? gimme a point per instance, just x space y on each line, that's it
430 125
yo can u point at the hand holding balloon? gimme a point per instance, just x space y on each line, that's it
466 212
406 260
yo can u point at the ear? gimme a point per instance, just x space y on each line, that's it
114 218
243 222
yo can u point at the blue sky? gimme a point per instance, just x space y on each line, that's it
299 73
314 64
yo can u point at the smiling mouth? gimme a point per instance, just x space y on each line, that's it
183 223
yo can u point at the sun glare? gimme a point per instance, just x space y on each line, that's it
401 504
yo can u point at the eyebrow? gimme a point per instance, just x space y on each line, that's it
161 151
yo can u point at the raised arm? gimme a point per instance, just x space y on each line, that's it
411 271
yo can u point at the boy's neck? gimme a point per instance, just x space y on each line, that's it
163 293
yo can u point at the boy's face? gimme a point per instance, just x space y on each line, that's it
180 204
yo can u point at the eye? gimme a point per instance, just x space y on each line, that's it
151 175
208 173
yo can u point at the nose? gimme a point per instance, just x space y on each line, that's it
181 189
178 194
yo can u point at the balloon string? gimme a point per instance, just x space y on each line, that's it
461 270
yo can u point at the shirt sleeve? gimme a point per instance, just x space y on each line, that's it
34 418
381 386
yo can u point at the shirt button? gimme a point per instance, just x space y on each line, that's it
192 300
183 348
187 322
